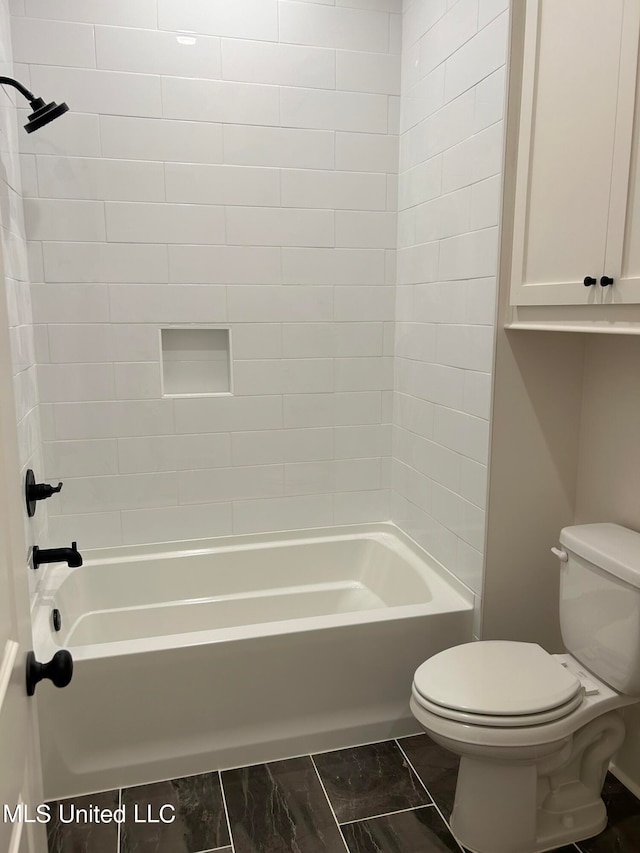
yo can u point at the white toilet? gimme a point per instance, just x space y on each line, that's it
536 731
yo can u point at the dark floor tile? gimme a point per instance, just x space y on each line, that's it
622 834
418 831
367 781
200 822
280 808
436 766
78 837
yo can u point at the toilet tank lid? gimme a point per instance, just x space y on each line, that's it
610 547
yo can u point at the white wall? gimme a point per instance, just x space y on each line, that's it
16 281
608 482
451 146
240 173
608 486
566 423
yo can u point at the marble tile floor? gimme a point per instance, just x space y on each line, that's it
389 797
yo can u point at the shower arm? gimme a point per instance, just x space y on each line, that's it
23 91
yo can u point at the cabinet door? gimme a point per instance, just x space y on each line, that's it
567 131
622 261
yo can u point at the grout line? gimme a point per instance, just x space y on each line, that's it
415 772
404 737
329 803
226 812
446 822
388 814
359 745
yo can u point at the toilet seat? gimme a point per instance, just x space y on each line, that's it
500 720
497 683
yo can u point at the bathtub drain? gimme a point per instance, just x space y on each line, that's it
56 618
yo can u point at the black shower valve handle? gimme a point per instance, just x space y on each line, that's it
34 492
41 491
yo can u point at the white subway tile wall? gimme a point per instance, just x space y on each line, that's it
236 164
25 346
230 163
451 143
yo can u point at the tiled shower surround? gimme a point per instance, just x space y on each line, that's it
453 90
227 164
235 165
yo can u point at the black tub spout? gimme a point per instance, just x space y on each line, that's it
70 556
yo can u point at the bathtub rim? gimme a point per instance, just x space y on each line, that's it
460 600
51 572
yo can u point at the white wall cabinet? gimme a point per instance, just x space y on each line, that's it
576 186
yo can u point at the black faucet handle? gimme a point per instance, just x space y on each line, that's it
42 491
37 492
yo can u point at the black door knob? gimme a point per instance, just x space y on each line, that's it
605 281
589 281
59 670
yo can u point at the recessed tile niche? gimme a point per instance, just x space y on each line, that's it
195 361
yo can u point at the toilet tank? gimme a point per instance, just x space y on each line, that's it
600 602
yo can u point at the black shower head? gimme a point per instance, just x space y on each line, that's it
42 113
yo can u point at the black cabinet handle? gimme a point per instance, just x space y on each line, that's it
605 281
59 669
589 281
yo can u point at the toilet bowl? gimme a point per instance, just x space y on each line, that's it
535 731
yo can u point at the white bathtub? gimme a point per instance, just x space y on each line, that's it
197 656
